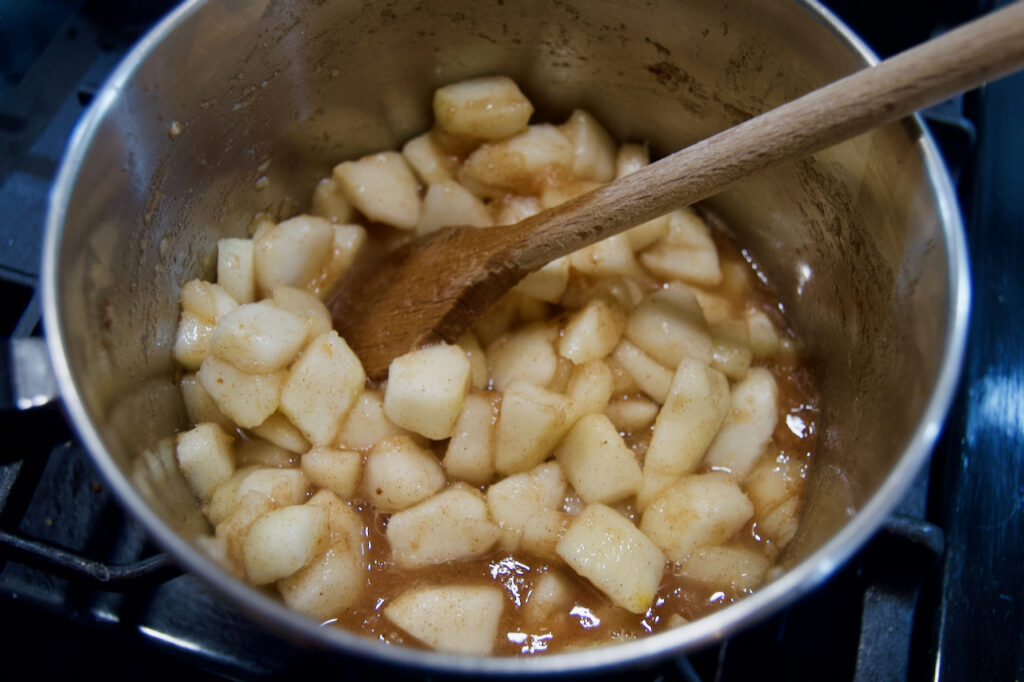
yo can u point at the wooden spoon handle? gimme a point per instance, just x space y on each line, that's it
985 49
434 288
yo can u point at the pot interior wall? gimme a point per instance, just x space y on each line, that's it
265 97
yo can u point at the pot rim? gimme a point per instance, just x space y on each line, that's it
793 584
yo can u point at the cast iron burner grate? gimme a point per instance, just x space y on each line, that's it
88 592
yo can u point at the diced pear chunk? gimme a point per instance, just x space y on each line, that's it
748 426
552 592
449 204
455 145
691 416
245 398
631 158
649 375
327 585
625 292
774 479
608 550
199 406
669 325
192 341
632 414
321 388
645 234
590 387
606 258
788 349
264 453
329 202
207 302
430 162
235 269
278 430
726 568
291 253
259 338
593 332
697 511
490 108
382 187
477 360
737 278
730 349
426 388
519 164
764 339
622 381
687 252
548 283
233 529
497 320
563 372
261 222
527 354
559 190
222 502
593 151
597 461
343 521
336 470
779 525
366 423
205 458
202 306
345 247
454 619
560 384
530 309
345 525
470 453
450 526
542 531
282 487
305 306
531 422
509 209
282 541
515 499
676 621
399 473
716 307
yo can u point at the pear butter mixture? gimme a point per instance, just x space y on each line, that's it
618 447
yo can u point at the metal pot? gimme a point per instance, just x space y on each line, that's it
233 106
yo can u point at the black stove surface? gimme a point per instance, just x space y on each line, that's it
937 595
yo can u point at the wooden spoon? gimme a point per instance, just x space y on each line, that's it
432 289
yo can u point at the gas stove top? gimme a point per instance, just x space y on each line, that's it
938 595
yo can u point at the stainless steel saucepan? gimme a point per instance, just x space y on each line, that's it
233 106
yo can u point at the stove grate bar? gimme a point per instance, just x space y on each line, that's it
894 568
139 575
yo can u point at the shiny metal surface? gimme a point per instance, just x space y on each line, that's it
233 107
31 374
